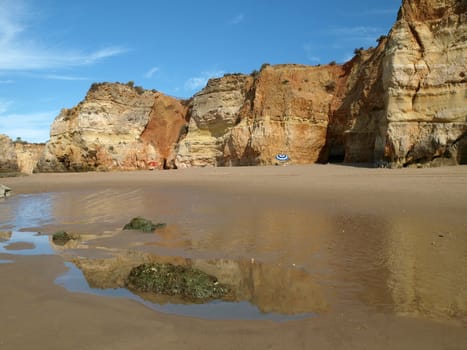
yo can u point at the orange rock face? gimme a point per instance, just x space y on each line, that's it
281 109
398 104
165 127
117 126
290 112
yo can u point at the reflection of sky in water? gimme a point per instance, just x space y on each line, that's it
27 210
40 242
36 210
74 281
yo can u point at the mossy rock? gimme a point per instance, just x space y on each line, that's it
176 280
142 224
62 237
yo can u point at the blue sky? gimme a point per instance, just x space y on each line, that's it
51 51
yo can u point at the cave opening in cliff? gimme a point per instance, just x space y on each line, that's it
462 149
336 154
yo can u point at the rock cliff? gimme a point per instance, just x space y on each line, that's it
248 119
401 103
213 112
117 126
28 155
8 160
424 80
19 156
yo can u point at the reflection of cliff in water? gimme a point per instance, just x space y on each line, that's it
409 265
305 259
5 236
272 288
428 269
394 264
415 266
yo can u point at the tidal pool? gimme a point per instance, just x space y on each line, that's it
288 258
27 243
74 281
37 244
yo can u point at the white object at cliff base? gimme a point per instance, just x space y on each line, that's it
5 191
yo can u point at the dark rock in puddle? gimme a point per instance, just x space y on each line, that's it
176 280
142 224
63 237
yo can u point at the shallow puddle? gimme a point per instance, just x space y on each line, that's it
74 281
286 259
33 243
27 243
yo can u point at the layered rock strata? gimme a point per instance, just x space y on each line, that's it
8 160
28 155
401 103
248 119
425 84
19 156
412 107
117 126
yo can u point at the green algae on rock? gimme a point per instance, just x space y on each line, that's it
176 280
142 224
62 237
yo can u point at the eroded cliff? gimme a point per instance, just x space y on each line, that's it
19 156
401 103
248 119
117 126
424 79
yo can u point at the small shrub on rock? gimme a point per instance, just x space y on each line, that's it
176 280
142 224
139 89
62 237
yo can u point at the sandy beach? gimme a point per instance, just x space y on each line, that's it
365 258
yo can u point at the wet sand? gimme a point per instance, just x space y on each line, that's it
378 257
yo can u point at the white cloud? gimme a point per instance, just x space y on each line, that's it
376 12
151 72
4 105
196 83
9 29
61 77
103 53
33 127
21 51
358 30
383 12
310 55
237 19
29 134
9 81
199 82
347 57
359 34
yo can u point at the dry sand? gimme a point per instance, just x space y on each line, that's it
380 256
